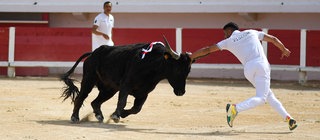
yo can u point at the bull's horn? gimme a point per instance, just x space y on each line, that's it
174 54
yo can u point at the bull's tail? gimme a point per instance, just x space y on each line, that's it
70 90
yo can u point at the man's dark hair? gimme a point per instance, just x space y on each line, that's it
231 25
107 2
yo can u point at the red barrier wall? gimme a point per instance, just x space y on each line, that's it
4 43
67 44
313 48
291 39
49 44
123 36
4 38
194 39
24 25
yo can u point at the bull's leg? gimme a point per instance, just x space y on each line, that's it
77 105
122 102
104 95
138 103
86 87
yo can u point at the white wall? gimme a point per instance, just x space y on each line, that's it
163 6
195 20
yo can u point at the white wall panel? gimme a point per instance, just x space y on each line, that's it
195 20
163 6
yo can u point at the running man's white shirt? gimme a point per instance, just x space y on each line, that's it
246 46
105 24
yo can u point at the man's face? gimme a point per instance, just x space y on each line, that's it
107 8
227 33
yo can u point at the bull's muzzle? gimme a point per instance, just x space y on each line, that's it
179 92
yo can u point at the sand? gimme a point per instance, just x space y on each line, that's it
31 109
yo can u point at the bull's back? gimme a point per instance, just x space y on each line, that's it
113 62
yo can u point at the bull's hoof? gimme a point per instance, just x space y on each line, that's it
115 118
75 119
100 118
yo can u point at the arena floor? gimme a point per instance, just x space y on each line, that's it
31 109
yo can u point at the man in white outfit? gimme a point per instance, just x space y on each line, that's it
246 46
102 27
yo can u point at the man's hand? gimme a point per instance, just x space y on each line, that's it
285 52
105 36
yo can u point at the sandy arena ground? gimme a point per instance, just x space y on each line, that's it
31 109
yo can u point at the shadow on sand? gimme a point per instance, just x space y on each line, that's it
123 127
86 122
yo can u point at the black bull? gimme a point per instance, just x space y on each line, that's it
122 69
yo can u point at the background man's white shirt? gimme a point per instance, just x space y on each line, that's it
105 24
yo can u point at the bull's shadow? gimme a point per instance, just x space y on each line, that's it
123 127
92 124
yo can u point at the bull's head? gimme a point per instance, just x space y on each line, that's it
179 69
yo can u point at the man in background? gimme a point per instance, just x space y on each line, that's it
102 27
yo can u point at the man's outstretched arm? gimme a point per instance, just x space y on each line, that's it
275 41
204 52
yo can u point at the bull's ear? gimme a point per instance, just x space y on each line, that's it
166 56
